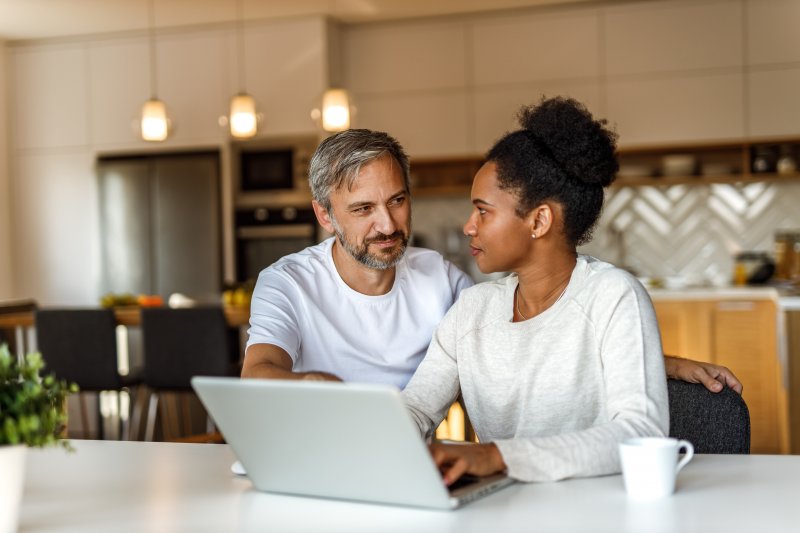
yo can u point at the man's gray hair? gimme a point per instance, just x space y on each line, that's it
339 158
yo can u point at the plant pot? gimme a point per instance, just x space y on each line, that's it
12 465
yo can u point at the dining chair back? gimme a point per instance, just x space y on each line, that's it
80 346
712 422
177 345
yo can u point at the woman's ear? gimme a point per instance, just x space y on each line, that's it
540 220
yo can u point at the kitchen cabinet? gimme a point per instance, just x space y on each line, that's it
741 334
715 162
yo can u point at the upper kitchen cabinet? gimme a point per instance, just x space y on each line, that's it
118 89
675 71
42 117
773 53
286 72
673 37
676 109
533 47
192 76
772 32
398 57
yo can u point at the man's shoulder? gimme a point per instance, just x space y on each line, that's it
309 262
427 262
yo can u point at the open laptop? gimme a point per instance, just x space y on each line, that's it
332 440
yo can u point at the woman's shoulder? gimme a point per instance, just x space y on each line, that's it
604 277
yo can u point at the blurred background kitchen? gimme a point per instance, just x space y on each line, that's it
703 94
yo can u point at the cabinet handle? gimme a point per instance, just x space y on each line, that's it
735 306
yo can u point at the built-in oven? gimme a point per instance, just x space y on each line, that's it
265 234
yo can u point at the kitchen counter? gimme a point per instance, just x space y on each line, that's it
786 301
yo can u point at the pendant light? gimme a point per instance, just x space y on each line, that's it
154 122
243 120
334 110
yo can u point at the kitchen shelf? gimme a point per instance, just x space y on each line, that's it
453 176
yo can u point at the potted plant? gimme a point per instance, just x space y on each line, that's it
31 414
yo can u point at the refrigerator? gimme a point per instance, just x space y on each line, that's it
160 225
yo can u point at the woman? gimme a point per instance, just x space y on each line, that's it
561 360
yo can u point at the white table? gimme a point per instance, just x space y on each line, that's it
155 487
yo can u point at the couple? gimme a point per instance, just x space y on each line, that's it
557 363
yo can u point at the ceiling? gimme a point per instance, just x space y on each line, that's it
39 19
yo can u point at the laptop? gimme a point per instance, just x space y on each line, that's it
332 440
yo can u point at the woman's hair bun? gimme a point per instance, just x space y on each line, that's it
580 145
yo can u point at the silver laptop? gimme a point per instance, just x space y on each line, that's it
332 440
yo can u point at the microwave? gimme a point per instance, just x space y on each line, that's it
272 172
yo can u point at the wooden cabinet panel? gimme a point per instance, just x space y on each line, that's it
742 336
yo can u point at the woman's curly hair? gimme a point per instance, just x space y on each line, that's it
563 154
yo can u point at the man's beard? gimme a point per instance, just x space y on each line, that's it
384 260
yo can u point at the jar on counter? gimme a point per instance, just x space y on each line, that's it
787 163
787 255
764 160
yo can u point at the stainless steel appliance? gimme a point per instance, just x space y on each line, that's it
272 172
265 234
160 223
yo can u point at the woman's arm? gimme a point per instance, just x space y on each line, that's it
434 386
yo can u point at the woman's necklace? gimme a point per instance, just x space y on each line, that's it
517 299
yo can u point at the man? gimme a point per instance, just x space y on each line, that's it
362 305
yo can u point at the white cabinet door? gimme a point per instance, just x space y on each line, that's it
49 96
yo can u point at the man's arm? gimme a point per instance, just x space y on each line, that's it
712 376
271 362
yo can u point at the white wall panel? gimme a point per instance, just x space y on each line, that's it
665 36
118 89
404 56
286 72
536 46
56 259
774 102
5 182
773 31
677 109
49 95
496 108
426 125
193 84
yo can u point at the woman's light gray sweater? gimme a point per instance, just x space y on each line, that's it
555 393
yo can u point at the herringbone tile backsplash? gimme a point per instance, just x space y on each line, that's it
686 231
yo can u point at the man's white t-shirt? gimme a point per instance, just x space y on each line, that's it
302 305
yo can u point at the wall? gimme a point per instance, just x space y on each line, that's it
73 99
662 72
5 189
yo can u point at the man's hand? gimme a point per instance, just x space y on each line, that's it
455 460
712 376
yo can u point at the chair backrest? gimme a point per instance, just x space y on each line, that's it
80 345
712 422
181 343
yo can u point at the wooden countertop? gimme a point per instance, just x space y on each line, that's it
236 316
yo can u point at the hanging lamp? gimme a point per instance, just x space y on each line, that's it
154 121
242 119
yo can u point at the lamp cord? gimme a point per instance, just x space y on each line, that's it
151 38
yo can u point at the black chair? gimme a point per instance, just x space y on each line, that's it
712 422
177 345
80 345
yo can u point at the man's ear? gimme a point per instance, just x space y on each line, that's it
323 217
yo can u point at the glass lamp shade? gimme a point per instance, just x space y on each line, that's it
155 126
335 110
243 119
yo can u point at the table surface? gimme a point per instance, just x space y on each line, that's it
137 486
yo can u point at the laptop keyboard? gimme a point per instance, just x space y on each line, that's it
463 481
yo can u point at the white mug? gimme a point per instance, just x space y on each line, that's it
650 465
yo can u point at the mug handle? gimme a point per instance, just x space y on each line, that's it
689 453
